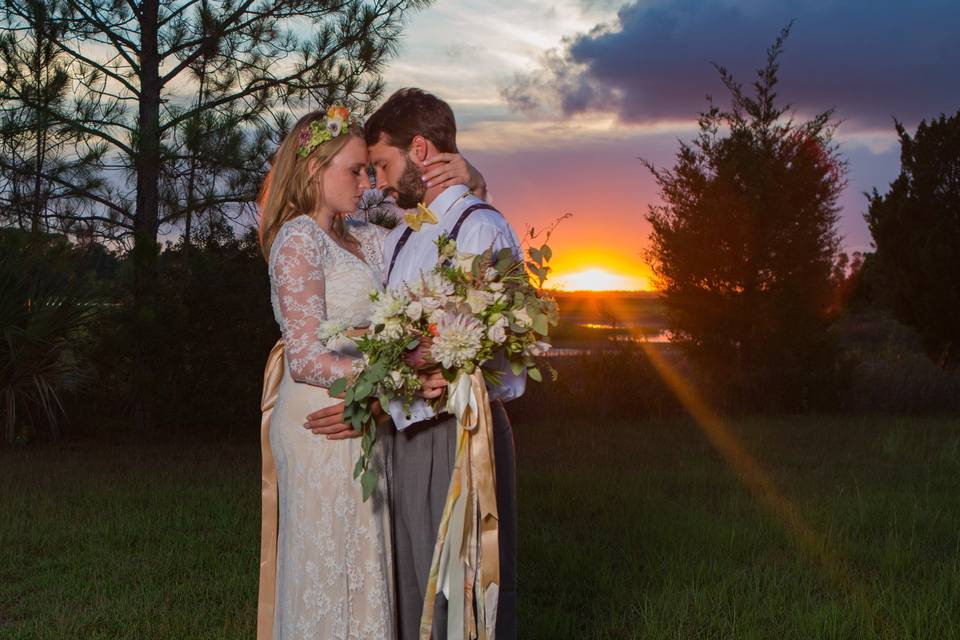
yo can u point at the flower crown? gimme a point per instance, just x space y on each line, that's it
336 122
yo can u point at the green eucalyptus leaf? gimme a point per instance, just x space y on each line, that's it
338 387
540 324
535 374
368 481
377 371
362 390
366 441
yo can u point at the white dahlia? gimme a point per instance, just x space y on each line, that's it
457 341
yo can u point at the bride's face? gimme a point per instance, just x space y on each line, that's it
344 178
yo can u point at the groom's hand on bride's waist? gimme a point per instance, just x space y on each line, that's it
329 422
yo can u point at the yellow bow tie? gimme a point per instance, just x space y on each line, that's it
416 219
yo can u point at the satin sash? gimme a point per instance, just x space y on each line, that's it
466 557
269 503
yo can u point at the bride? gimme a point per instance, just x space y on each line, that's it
326 561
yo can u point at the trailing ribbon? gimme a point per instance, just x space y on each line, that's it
269 504
466 558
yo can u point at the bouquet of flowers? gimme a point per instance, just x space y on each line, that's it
457 317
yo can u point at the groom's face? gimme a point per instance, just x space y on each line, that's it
397 174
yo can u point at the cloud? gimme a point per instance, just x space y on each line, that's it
871 59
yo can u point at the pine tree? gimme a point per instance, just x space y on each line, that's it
745 243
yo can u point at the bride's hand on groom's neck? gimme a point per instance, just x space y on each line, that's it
447 169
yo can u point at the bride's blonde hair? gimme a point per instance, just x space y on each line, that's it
292 186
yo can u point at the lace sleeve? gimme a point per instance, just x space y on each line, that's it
297 274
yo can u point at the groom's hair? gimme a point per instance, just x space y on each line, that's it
410 112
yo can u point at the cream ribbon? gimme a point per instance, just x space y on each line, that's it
466 557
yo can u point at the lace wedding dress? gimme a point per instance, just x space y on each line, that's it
334 564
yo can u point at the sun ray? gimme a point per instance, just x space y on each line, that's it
751 474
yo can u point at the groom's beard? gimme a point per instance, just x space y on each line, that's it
410 188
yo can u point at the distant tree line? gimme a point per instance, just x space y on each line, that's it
130 295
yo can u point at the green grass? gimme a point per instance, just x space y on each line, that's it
627 531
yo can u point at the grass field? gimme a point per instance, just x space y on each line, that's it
627 531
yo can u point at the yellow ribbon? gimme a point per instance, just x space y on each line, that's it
466 557
415 219
272 375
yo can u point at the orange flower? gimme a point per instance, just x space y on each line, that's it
432 328
338 111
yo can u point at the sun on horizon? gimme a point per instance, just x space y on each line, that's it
597 279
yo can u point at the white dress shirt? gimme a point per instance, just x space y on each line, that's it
481 230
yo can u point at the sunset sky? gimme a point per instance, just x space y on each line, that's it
556 99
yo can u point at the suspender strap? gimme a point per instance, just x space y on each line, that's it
396 252
453 234
465 215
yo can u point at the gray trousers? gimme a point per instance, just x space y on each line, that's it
423 459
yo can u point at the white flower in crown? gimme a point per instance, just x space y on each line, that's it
458 339
334 126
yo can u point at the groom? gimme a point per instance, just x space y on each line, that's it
411 127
